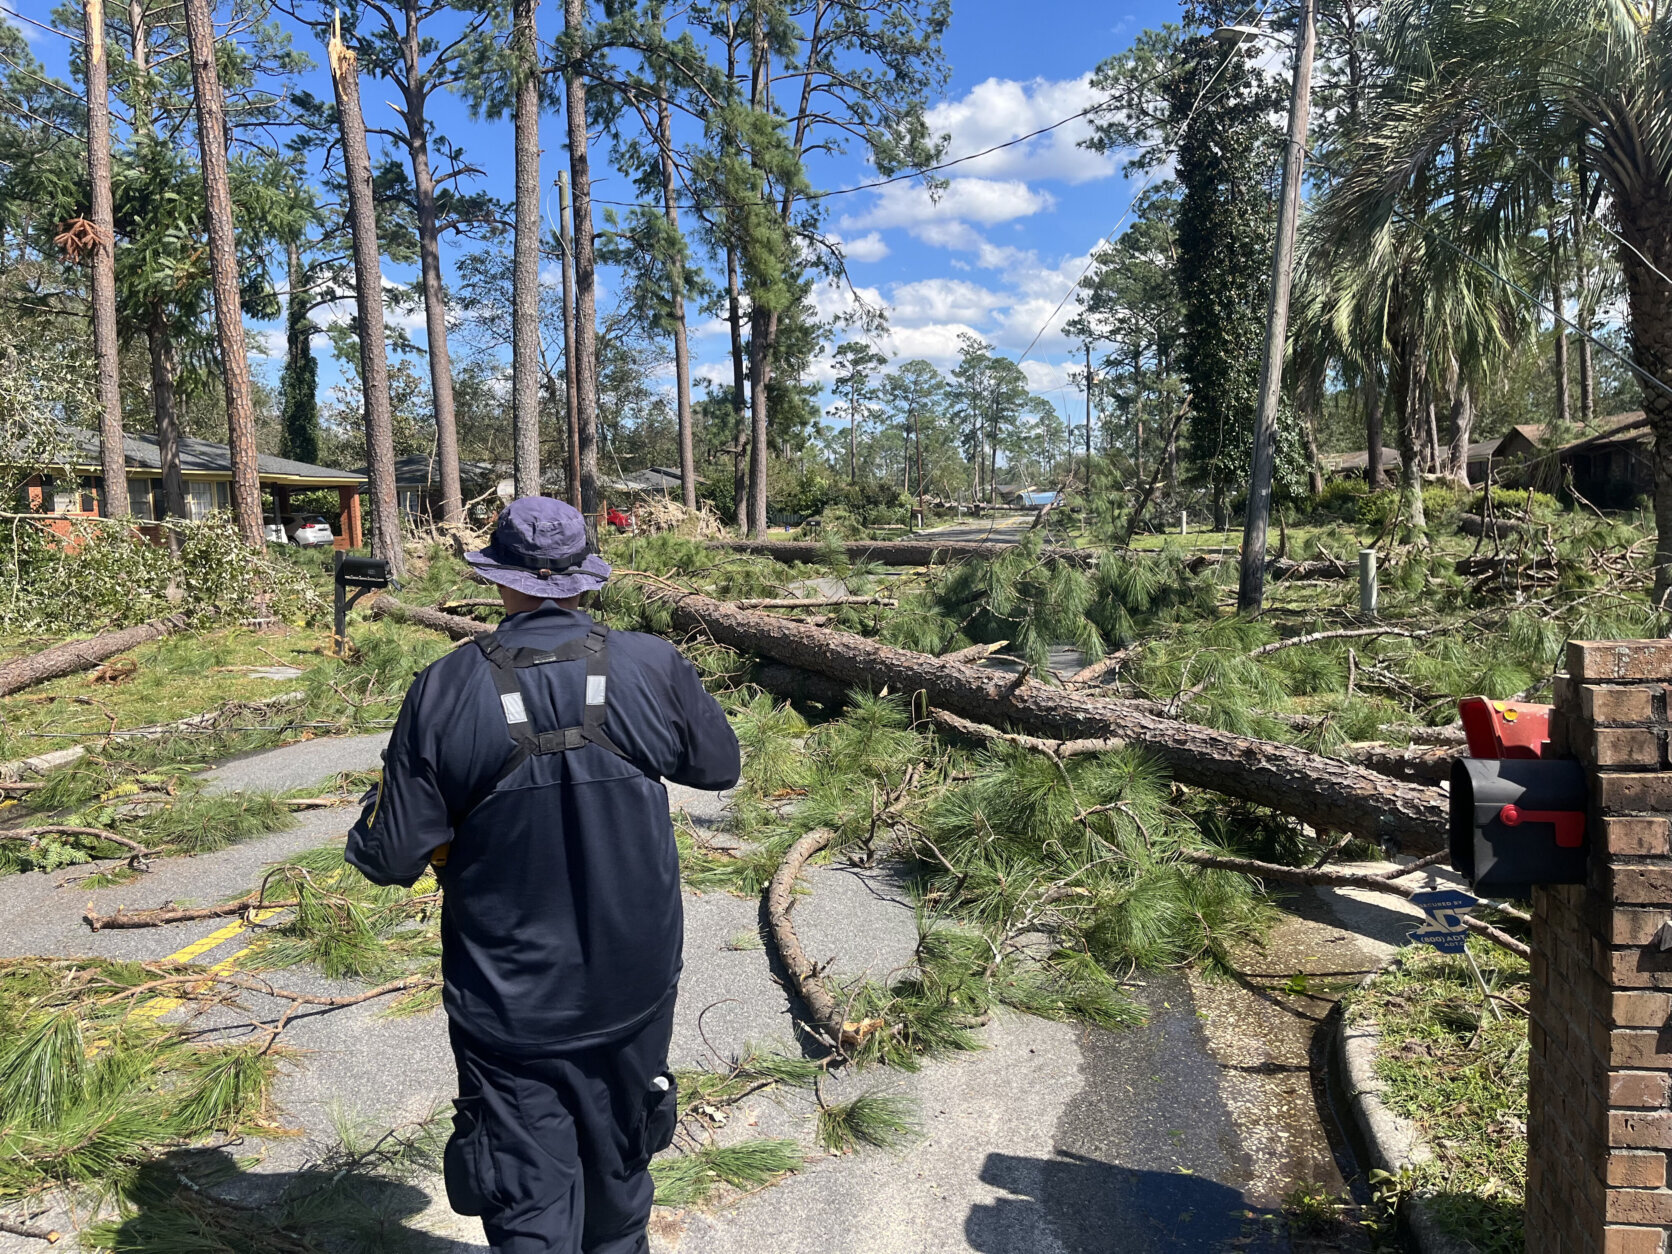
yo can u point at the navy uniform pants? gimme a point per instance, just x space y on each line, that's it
553 1152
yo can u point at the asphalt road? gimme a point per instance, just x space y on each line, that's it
1054 1139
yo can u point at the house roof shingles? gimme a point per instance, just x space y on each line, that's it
204 457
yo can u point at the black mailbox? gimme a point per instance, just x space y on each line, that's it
360 573
1516 822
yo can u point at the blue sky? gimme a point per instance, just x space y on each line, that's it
995 255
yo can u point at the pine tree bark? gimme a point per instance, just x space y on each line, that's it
763 335
586 271
734 319
223 267
368 291
1324 792
525 257
79 655
113 500
165 369
566 245
676 283
429 260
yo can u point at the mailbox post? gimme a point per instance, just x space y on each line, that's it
360 573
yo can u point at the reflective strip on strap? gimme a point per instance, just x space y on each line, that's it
512 702
596 686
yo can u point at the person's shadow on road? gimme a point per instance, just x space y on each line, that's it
1086 1206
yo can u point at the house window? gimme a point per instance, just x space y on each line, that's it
142 498
200 499
75 496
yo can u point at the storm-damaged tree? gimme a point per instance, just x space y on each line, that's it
914 394
649 246
368 286
397 44
223 267
100 251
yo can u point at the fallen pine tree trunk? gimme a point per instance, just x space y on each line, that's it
804 974
454 625
78 655
891 552
1322 791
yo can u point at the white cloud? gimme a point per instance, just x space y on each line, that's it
1003 109
867 247
987 201
941 300
266 342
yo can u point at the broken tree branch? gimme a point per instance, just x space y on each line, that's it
803 973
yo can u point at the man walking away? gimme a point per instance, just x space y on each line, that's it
528 768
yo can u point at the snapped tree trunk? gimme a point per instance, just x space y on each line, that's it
525 258
79 655
1321 791
113 500
368 295
892 552
586 271
223 269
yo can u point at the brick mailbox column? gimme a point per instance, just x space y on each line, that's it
1599 1128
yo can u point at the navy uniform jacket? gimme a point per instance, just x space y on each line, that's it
561 921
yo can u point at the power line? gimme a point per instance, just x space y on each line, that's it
66 34
1091 260
906 175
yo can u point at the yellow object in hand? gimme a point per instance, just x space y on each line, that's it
438 855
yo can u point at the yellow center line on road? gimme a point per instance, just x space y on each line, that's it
159 1006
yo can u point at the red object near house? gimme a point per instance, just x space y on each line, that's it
617 519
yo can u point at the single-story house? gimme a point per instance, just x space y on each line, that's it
1354 465
1614 467
418 483
651 481
206 468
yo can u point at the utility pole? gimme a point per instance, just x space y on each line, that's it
1251 584
574 493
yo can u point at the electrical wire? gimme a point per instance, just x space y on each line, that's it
1132 202
905 175
66 34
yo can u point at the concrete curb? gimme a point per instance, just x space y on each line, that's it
1393 1141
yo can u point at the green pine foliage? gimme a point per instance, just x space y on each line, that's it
879 1120
89 1093
690 1179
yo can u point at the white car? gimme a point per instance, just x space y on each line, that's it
309 530
274 533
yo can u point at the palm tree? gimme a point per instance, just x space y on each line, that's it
1529 83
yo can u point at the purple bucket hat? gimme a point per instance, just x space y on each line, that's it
539 548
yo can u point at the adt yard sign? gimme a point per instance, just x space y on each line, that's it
1444 908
